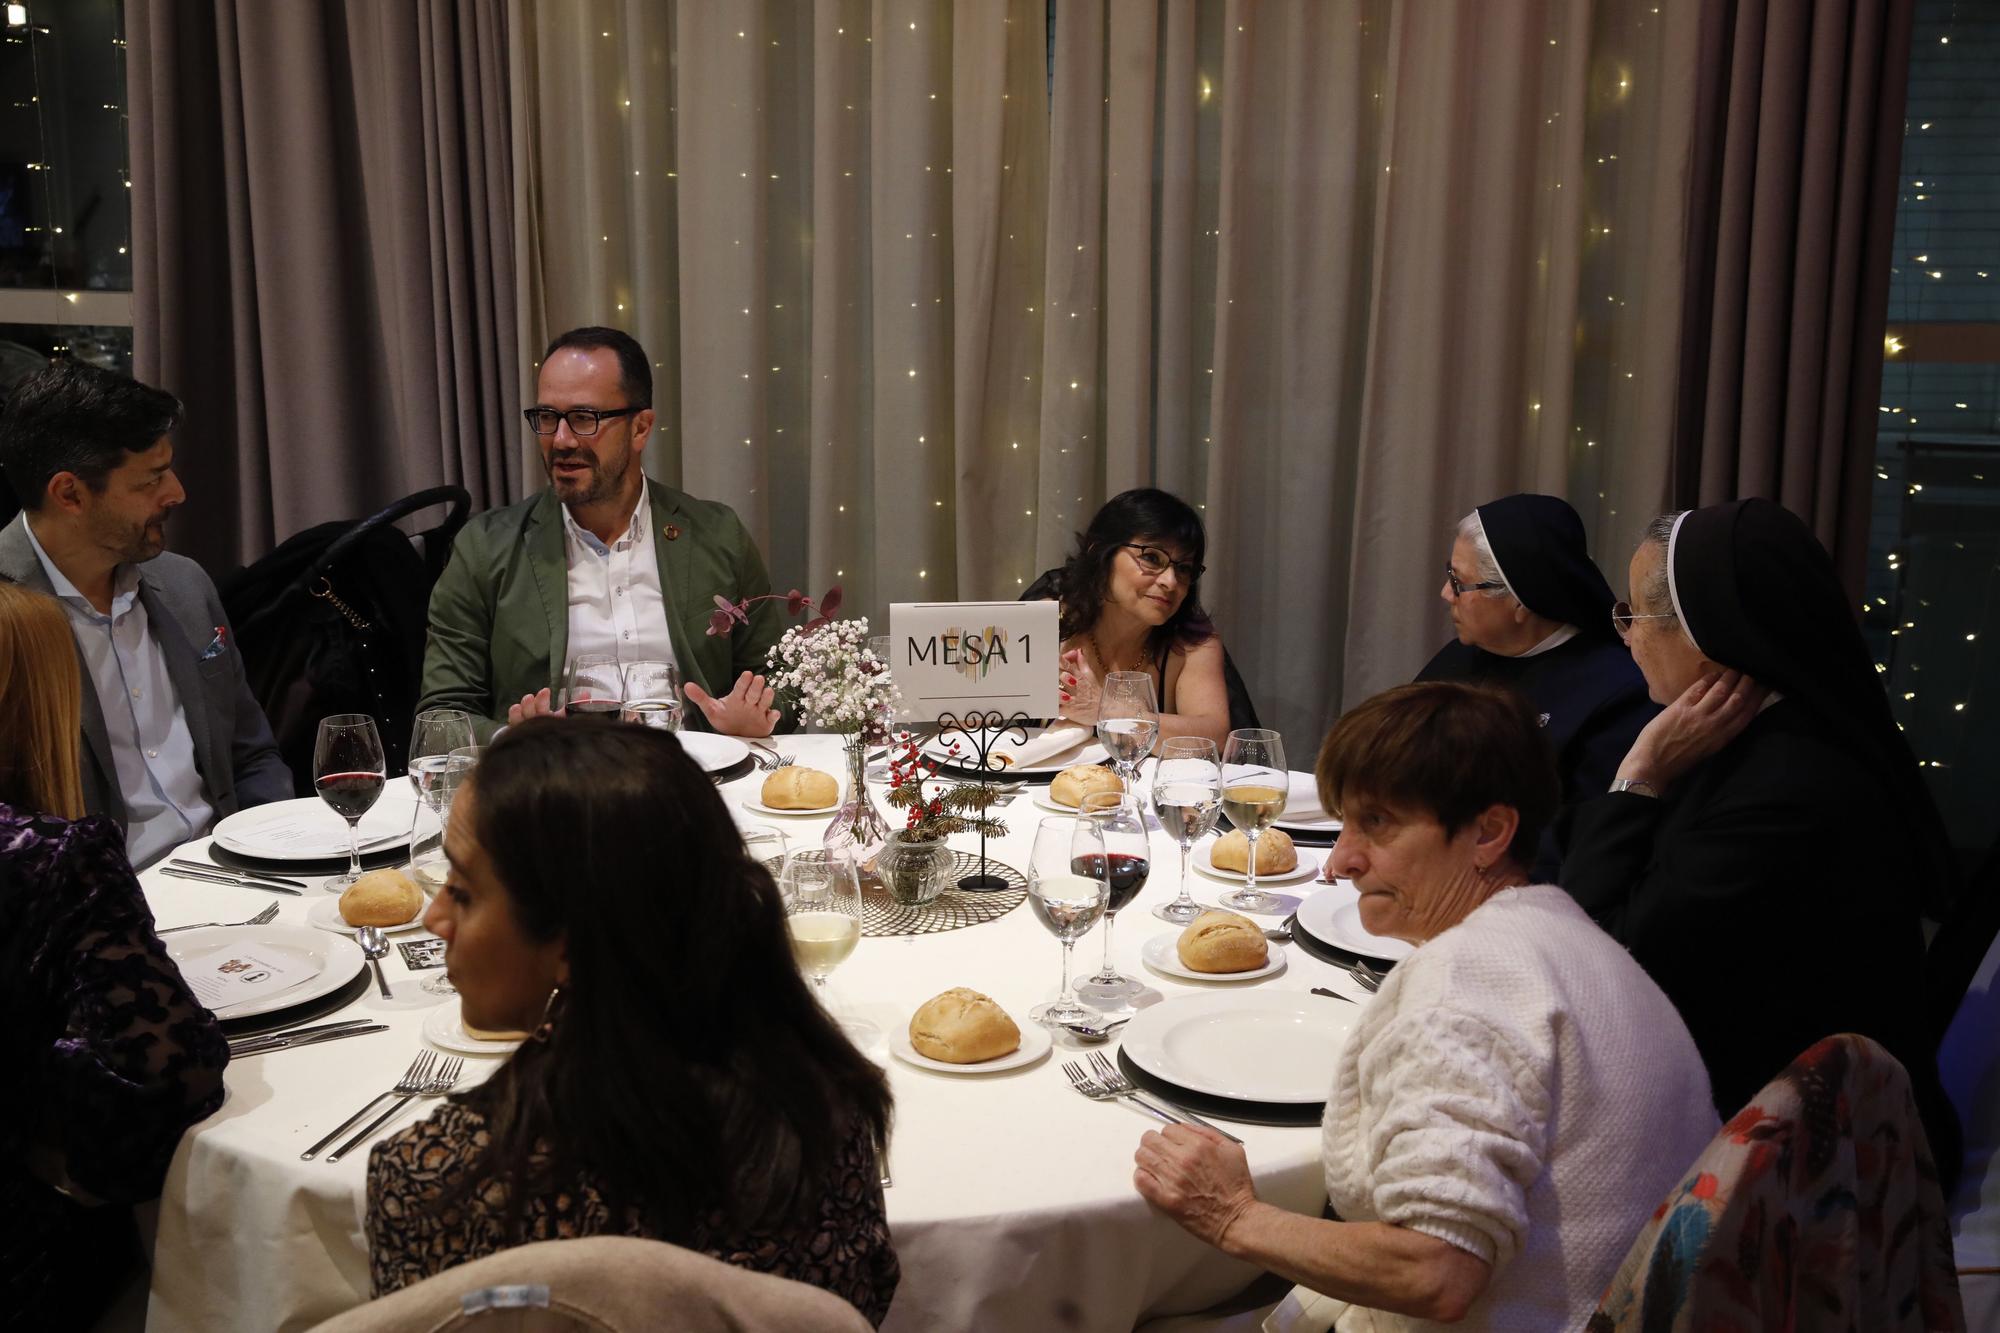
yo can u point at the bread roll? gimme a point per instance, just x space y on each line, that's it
963 1027
1275 853
795 788
1222 942
1080 780
481 1034
381 898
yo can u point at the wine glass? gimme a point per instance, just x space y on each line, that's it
652 695
349 774
444 792
1127 860
1254 786
593 684
767 847
822 911
1065 901
1128 718
1187 795
433 737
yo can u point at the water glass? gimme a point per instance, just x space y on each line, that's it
1187 796
1128 720
435 734
652 695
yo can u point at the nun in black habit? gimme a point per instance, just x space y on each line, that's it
1533 612
1769 843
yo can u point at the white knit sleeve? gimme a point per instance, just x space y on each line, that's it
1459 1123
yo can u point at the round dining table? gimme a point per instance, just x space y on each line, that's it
1012 1205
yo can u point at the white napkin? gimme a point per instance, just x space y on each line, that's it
1302 805
308 828
1063 744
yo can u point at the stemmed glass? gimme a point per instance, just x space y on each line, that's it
822 911
349 774
767 847
1187 795
436 733
1128 718
593 684
1126 862
1065 901
444 793
1254 787
652 695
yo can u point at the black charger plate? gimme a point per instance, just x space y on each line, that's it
1212 1107
1328 953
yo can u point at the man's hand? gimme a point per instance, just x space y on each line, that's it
1709 714
744 711
531 705
1196 1177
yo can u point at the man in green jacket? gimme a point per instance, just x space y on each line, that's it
603 562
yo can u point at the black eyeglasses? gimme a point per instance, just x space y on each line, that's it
1156 562
582 420
1460 589
1622 616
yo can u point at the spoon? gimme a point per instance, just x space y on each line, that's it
374 945
1282 934
1094 1033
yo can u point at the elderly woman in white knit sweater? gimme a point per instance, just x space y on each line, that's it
1519 1096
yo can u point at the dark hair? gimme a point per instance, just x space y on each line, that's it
1143 515
73 417
678 1093
635 372
1450 748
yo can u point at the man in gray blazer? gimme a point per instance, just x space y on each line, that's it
173 739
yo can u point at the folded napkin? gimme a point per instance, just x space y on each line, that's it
1063 744
1302 804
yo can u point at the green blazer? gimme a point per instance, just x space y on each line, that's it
499 624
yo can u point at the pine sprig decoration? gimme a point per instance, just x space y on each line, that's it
958 808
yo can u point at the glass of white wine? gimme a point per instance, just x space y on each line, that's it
822 897
1067 900
1187 796
1254 785
1128 718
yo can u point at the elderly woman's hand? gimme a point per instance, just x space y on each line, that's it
1078 688
1709 714
1196 1177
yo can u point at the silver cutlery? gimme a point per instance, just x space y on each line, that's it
1281 934
1334 995
1097 1092
1108 1074
882 1165
374 946
285 1041
436 1085
260 919
231 872
175 872
279 1034
1364 976
1095 1032
767 759
412 1081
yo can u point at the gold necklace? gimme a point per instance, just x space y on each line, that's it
1103 662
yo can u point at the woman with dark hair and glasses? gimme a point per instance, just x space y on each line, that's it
1131 601
600 899
1531 611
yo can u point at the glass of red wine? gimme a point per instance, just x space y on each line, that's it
348 773
593 685
1124 865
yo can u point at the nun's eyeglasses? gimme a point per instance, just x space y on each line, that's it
1460 589
1622 616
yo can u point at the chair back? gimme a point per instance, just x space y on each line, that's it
1815 1208
602 1284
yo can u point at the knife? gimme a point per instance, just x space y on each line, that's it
175 872
276 1033
210 868
285 1042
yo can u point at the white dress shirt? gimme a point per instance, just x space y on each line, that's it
151 746
616 607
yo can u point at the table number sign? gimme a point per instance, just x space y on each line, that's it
958 657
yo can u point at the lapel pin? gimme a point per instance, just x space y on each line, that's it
673 534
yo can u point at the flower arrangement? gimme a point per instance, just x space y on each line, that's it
958 808
823 670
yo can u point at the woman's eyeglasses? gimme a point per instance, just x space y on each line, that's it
582 420
1156 562
1460 589
1622 616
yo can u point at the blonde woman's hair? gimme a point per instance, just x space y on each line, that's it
41 725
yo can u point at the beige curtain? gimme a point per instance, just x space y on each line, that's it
1335 270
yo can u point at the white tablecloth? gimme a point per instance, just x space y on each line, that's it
1012 1209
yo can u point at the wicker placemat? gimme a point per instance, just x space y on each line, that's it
954 909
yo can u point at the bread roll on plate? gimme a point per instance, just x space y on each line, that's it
795 788
1081 780
381 898
481 1034
963 1027
1222 942
1275 853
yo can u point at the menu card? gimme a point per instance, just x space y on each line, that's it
232 974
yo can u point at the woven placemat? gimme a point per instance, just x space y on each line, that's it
954 909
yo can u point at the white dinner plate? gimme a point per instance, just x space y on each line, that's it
306 829
445 1026
1333 916
713 752
1048 802
335 960
324 914
1307 867
1162 954
1303 812
1258 1045
1035 1043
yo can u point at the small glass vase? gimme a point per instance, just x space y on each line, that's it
914 872
858 831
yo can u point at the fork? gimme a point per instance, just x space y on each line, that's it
435 1086
1111 1077
413 1078
1097 1092
262 918
767 759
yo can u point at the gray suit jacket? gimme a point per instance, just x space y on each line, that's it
233 748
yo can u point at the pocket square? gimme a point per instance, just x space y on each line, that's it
218 645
